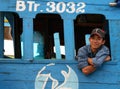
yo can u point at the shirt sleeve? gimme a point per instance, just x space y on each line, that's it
82 57
100 56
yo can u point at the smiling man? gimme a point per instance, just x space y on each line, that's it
92 56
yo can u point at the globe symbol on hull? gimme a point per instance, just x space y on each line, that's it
52 76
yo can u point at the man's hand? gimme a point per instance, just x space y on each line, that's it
107 58
88 69
90 61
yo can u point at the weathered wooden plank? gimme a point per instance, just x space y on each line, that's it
57 45
22 76
92 6
26 72
1 34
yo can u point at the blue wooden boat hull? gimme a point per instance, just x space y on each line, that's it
27 73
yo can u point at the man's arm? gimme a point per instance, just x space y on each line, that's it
90 68
101 56
82 58
90 61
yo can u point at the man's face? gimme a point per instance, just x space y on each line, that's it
96 41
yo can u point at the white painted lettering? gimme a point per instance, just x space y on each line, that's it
30 5
36 7
20 6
